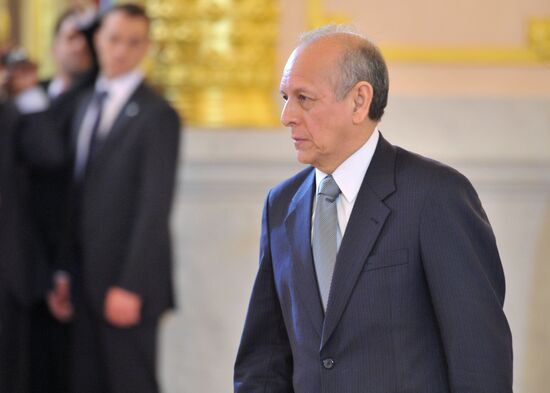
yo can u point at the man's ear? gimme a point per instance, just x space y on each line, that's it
362 94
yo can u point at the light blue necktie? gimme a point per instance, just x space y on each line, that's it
325 236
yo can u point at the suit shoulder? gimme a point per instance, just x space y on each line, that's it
154 97
427 173
158 105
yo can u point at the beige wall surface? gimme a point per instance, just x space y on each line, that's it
443 23
488 24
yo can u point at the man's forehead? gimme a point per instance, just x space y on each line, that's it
293 77
118 15
307 63
113 18
112 24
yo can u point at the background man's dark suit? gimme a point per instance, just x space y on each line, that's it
126 200
416 296
120 231
33 195
14 259
48 200
13 274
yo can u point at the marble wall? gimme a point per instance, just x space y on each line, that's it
501 144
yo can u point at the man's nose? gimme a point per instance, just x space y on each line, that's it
288 114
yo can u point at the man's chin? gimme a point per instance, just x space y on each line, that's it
114 72
303 158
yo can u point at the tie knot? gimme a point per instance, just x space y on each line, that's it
99 96
329 188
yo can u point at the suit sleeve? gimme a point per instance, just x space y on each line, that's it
147 266
264 358
467 287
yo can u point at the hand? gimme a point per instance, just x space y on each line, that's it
59 298
122 307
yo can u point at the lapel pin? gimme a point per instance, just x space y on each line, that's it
132 109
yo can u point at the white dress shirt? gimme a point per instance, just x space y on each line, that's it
349 177
56 87
36 99
118 90
32 100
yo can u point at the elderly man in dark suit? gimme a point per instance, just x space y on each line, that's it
379 271
125 146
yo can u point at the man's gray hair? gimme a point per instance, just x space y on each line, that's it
361 61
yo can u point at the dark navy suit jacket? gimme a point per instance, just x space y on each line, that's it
122 225
416 297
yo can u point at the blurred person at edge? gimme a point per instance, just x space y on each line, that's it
13 274
74 58
45 108
116 248
75 69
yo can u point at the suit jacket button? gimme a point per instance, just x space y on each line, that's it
328 363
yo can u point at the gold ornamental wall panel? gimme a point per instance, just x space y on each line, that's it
215 59
5 22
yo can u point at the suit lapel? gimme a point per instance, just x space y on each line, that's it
129 113
298 229
365 224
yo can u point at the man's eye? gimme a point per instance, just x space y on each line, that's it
302 97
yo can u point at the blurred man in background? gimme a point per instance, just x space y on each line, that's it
117 244
75 70
71 53
37 151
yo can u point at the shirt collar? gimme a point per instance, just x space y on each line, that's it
56 87
350 173
125 82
